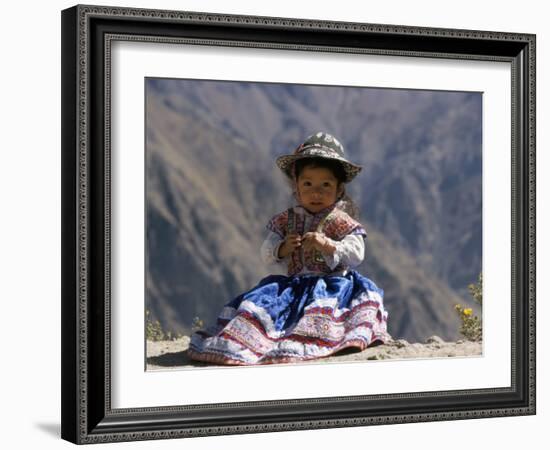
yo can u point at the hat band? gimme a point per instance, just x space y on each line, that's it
317 150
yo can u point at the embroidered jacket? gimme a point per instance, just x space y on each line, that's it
346 233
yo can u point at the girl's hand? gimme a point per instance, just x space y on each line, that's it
291 243
319 242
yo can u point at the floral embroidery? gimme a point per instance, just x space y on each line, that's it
322 330
333 222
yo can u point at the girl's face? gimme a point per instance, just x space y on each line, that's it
317 188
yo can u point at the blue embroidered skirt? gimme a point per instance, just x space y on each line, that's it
291 319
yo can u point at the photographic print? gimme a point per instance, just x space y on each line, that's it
310 223
297 199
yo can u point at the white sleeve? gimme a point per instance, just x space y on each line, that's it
269 251
350 252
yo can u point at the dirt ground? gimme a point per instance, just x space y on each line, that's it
172 355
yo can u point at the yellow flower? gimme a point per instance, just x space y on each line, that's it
468 312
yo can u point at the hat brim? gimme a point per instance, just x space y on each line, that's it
286 163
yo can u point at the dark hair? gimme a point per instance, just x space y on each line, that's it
334 166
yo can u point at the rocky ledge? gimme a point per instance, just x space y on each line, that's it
171 355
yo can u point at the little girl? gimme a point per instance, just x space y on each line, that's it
322 305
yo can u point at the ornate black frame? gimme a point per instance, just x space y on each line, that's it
87 32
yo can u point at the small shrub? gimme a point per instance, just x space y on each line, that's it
477 290
155 332
471 326
197 325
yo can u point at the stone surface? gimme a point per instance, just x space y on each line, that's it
435 340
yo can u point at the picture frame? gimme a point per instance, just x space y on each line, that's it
88 415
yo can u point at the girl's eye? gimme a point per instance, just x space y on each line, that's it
327 184
307 183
